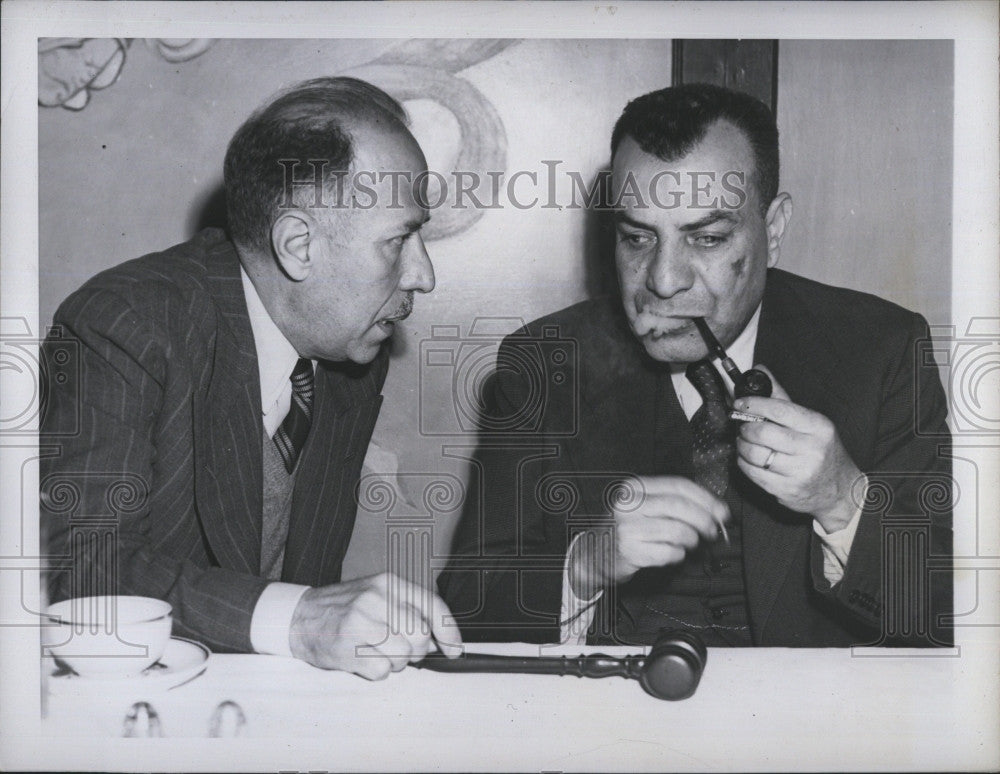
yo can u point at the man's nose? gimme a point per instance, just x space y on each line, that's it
419 271
670 272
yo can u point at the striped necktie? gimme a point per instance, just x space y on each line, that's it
712 446
291 436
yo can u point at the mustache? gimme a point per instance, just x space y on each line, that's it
651 320
404 310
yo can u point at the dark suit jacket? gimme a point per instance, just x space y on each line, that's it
854 358
154 441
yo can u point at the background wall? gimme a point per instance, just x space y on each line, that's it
866 142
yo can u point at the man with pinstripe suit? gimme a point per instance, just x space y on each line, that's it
233 382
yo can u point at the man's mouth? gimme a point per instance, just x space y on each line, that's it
651 323
388 323
401 313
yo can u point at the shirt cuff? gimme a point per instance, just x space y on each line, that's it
575 614
837 545
271 622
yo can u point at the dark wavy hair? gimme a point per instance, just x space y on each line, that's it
307 121
668 124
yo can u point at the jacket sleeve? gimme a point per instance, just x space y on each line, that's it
504 577
898 577
101 420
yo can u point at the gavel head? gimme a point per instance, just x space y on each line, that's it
674 665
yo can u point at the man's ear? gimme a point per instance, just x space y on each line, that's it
776 220
291 234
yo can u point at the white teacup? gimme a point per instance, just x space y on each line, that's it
112 636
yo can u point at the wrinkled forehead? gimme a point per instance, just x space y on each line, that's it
717 173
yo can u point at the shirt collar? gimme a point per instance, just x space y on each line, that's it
276 357
741 350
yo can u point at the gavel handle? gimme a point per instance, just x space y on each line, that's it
594 665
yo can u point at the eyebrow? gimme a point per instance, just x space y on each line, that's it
713 217
621 217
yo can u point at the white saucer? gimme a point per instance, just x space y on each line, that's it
182 661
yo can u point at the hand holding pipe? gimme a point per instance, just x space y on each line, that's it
670 671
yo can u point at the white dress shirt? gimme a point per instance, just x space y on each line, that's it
271 622
576 614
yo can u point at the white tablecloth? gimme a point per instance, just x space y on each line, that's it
755 709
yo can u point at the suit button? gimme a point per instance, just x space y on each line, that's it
715 566
718 613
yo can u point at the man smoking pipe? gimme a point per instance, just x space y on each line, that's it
752 382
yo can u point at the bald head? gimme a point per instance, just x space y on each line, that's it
309 130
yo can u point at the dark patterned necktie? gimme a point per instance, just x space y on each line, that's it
291 436
712 447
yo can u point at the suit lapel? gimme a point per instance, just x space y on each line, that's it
324 504
630 417
631 421
673 431
228 428
619 415
788 343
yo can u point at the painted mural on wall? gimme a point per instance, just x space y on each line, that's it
426 69
71 69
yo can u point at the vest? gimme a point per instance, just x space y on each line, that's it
278 489
705 594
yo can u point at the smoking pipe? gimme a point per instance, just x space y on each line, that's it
748 384
670 671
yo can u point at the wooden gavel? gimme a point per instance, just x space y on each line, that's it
670 671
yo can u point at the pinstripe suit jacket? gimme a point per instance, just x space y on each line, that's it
151 478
